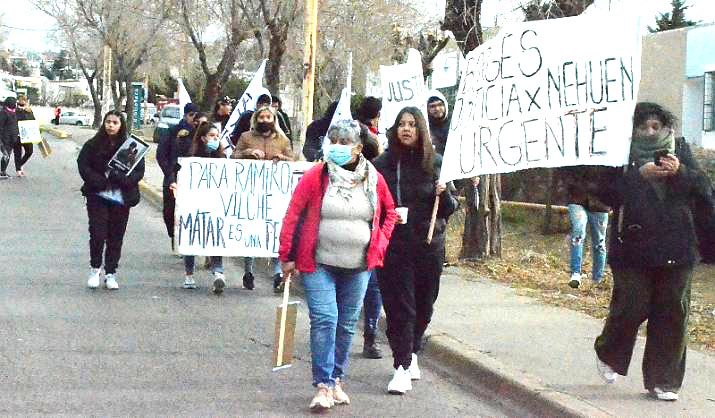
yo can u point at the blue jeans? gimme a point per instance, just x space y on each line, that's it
334 297
249 261
580 218
216 264
372 305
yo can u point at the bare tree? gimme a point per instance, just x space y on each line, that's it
85 48
483 223
130 28
278 16
236 30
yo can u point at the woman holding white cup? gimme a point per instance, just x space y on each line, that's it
409 280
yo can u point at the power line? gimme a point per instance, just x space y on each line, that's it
28 29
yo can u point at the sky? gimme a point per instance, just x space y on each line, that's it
32 24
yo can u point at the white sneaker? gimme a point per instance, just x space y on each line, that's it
664 395
575 280
189 282
93 280
606 372
219 282
414 368
110 280
400 382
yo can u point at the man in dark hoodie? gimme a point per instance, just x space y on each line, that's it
314 134
9 137
438 115
183 131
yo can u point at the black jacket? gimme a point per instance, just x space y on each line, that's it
417 193
171 147
439 130
9 133
654 232
24 115
582 184
92 163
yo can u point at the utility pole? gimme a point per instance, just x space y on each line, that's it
311 33
107 80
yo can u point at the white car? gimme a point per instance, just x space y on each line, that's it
75 118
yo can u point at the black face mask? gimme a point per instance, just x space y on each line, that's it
263 127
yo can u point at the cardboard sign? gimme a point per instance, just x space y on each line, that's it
29 131
548 93
233 207
402 85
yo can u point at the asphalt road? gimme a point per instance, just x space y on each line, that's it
153 348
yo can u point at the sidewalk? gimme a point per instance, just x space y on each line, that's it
535 355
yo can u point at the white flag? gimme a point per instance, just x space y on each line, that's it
247 102
184 98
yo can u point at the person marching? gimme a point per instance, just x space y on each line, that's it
23 112
264 141
107 216
205 144
166 154
652 253
335 231
586 210
9 138
438 116
409 281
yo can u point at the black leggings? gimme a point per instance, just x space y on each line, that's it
107 225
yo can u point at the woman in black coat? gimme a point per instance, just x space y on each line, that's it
110 194
409 280
652 253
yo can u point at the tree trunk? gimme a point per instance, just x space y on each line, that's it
548 226
276 49
211 92
483 223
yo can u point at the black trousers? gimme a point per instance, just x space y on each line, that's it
19 157
409 284
662 296
107 225
168 210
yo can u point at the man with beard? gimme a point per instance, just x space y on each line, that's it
437 113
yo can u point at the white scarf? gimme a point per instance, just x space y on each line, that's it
343 182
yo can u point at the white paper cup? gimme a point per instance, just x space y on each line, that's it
402 211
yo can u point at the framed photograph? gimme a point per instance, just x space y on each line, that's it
129 154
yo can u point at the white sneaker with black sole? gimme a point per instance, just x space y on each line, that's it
664 395
110 280
401 382
189 282
219 282
575 280
93 279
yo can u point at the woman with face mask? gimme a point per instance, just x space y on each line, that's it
205 144
110 195
335 231
409 281
652 253
264 141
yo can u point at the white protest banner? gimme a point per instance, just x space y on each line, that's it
233 207
547 93
184 97
29 131
402 85
247 102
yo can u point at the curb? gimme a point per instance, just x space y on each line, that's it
59 133
503 383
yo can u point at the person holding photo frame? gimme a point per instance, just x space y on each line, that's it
109 193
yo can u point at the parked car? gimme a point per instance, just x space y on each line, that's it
169 117
75 118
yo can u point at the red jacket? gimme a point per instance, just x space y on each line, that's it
299 233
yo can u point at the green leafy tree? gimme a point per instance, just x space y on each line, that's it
46 72
674 20
20 68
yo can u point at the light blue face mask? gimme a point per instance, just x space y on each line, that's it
212 145
339 154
